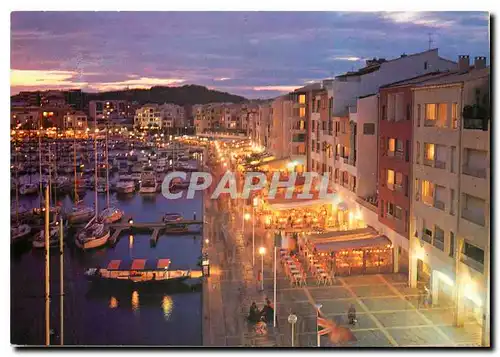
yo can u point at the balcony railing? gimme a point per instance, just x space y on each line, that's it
439 164
480 173
390 186
398 188
472 263
428 162
439 244
399 155
370 202
439 205
427 238
390 153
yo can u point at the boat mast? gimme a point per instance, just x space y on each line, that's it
95 165
61 278
17 183
74 161
107 169
47 270
50 174
40 162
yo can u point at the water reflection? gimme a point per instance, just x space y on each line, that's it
113 303
167 305
135 301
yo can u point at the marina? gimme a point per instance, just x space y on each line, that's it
139 233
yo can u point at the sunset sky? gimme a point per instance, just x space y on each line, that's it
254 54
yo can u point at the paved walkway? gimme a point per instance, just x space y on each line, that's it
388 311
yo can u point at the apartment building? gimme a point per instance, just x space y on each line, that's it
155 116
280 128
106 109
300 125
352 131
173 116
450 203
76 120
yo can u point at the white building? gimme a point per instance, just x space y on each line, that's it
154 116
75 120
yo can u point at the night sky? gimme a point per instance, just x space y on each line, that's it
254 54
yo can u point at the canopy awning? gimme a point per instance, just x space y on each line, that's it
352 239
285 204
273 162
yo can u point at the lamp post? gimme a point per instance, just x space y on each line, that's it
262 251
246 217
292 319
253 230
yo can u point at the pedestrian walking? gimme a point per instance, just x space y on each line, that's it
351 315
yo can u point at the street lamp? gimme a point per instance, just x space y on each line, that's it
292 319
253 230
262 251
246 217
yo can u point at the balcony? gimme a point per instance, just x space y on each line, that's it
439 205
390 153
398 188
439 244
439 164
427 238
473 216
472 263
370 202
480 173
476 117
390 186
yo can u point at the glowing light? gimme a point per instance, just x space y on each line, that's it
167 305
113 303
135 300
247 216
262 250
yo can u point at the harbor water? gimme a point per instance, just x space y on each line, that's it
128 316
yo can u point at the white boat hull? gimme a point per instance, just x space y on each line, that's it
93 242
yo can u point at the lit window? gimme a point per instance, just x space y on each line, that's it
392 144
390 178
302 99
428 192
430 112
302 112
429 151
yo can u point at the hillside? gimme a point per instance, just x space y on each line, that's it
188 94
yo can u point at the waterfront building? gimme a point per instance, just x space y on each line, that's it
76 120
450 203
106 109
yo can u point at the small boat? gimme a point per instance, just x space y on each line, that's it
137 272
54 236
148 180
125 185
173 226
178 184
28 189
19 233
110 215
80 214
94 236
